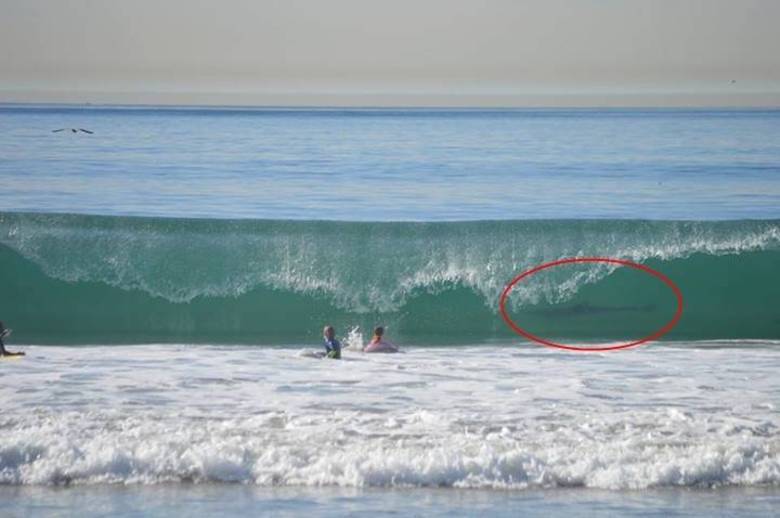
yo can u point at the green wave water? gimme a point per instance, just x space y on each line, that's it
75 279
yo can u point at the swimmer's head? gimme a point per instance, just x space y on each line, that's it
328 332
379 331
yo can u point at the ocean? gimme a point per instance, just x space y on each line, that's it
170 273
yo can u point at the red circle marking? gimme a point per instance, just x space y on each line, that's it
623 262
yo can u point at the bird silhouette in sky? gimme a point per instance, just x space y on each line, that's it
73 130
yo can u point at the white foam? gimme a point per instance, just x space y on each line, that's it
488 417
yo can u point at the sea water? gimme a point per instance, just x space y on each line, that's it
391 165
169 273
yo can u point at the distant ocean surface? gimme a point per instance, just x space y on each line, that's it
199 252
392 165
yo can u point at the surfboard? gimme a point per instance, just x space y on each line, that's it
13 356
308 353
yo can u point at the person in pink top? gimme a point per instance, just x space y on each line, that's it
379 344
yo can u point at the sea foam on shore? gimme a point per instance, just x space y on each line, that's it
514 417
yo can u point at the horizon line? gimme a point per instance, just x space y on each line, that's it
385 107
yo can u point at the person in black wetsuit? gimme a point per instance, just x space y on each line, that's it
3 351
332 346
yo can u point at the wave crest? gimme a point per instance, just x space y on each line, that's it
361 267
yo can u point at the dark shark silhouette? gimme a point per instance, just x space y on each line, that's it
587 309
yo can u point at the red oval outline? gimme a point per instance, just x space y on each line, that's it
623 262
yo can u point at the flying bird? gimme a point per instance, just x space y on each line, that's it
73 130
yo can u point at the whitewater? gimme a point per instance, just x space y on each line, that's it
697 415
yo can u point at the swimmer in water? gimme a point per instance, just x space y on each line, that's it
332 346
3 351
378 344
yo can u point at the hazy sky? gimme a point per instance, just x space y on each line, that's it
394 52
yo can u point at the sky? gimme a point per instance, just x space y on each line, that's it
392 52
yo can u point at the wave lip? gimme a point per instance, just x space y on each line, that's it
360 266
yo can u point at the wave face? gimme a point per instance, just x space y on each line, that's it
96 279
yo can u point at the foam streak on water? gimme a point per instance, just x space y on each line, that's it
705 414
